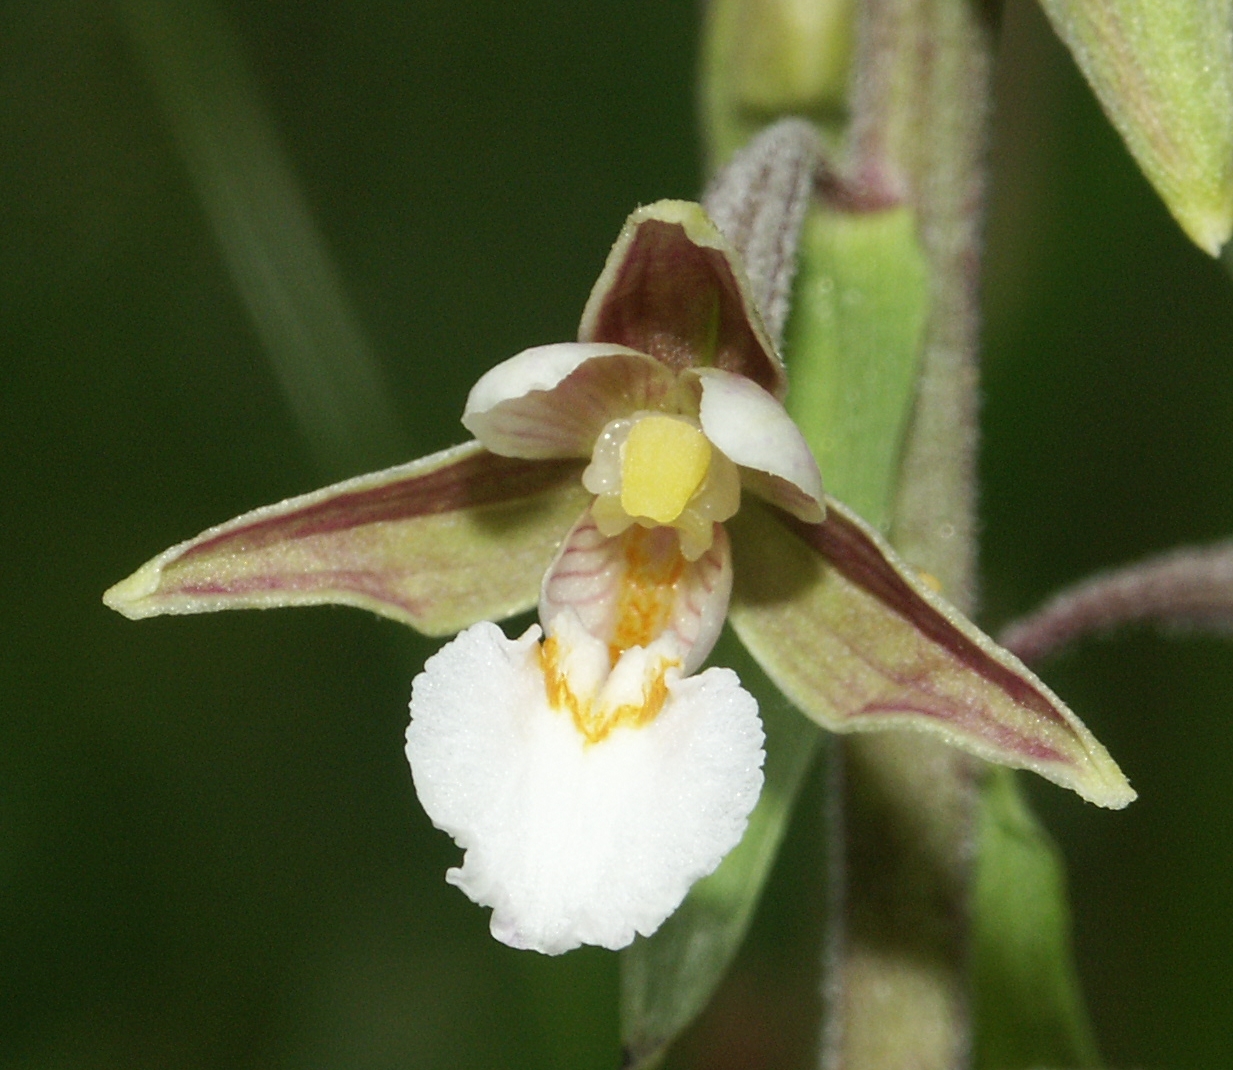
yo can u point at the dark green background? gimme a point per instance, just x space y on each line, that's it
210 854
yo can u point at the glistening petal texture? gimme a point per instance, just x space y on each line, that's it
857 642
629 589
572 843
756 432
438 544
553 401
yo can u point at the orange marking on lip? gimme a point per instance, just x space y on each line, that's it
654 566
594 723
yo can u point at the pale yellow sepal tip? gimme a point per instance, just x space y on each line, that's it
129 595
1209 230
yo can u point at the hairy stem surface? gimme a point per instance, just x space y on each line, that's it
904 805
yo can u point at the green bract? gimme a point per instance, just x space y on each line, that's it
1163 70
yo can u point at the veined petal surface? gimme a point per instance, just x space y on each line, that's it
673 287
633 588
439 543
756 432
554 400
857 642
573 842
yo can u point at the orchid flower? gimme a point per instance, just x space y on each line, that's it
641 485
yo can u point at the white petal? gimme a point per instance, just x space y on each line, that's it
608 583
756 432
571 842
553 401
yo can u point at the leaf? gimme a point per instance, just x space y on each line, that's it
667 979
1163 72
460 536
1028 1009
858 642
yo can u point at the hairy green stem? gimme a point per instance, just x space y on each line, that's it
881 352
904 805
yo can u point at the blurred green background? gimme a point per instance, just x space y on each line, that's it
210 853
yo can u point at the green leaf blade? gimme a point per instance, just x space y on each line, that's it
1028 1009
1163 72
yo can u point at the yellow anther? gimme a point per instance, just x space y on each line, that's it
663 462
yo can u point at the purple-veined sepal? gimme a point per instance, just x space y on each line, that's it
674 288
439 543
859 642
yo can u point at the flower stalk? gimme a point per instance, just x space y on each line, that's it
1188 588
881 349
897 990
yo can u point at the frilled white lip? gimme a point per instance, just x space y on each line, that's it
570 840
554 400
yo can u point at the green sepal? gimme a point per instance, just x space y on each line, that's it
668 978
1163 72
1027 1007
859 642
438 544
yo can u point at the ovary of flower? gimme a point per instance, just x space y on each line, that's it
657 469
